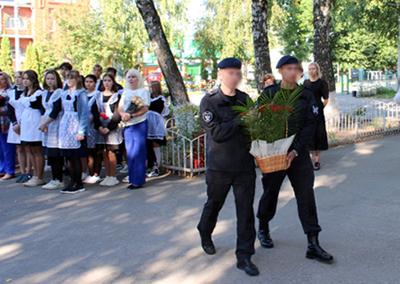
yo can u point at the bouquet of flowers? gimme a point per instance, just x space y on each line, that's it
105 119
267 123
136 104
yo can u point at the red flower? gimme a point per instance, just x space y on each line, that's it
277 108
104 116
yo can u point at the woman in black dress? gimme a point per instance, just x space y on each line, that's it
321 92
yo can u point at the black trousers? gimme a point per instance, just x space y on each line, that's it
56 164
301 176
218 186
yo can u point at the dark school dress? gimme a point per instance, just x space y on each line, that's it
320 90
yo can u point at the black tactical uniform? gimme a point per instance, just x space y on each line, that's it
229 164
301 173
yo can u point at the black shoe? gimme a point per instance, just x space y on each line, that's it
208 247
24 178
134 187
265 239
317 166
315 251
74 189
207 244
249 267
19 178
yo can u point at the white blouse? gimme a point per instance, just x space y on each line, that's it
126 98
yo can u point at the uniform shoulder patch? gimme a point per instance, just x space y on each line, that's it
212 92
207 116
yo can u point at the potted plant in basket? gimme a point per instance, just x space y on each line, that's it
266 120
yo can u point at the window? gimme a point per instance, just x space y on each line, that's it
16 22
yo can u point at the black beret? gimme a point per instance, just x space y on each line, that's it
287 59
230 62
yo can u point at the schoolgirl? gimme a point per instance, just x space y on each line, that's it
31 136
73 129
107 122
156 136
15 109
7 151
94 149
52 86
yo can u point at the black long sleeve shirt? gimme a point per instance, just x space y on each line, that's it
10 109
228 144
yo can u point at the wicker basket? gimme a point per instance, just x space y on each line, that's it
272 164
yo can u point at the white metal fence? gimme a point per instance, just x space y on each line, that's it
184 155
358 122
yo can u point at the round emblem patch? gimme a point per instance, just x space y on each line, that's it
207 116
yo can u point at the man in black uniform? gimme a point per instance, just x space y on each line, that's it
229 164
300 171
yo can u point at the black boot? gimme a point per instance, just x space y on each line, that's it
264 237
247 266
315 251
207 244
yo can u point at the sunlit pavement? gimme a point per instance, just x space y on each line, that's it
148 236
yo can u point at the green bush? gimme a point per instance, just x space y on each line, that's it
386 93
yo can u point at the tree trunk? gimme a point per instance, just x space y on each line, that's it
398 57
165 57
259 10
322 29
322 52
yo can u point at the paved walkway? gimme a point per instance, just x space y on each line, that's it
149 236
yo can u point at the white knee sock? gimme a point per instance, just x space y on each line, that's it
157 153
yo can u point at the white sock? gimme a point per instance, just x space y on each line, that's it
157 153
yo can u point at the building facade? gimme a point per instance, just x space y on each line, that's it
21 20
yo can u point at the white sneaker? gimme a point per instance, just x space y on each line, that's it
124 170
91 179
54 184
105 181
126 179
154 173
34 181
49 185
112 181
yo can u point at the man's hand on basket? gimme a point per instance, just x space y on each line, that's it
290 157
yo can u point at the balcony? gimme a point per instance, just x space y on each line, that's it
19 3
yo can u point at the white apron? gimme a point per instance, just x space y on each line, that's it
69 124
13 137
114 137
50 138
30 120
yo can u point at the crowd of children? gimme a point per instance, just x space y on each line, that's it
76 124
